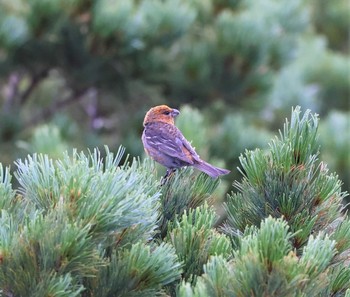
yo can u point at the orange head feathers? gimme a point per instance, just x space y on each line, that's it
161 113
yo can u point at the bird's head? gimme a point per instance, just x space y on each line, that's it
161 113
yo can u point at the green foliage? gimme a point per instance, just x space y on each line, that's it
335 146
332 20
45 255
155 268
302 82
340 280
265 265
184 190
271 243
341 235
46 140
85 225
229 141
7 194
286 17
317 254
148 21
265 272
320 60
202 50
195 240
78 221
215 281
287 181
44 182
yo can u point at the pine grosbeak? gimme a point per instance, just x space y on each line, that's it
164 142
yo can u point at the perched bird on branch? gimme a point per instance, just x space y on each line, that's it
164 142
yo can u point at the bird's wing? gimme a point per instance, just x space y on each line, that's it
169 140
189 150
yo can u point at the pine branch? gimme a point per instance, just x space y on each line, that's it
287 181
96 193
195 240
88 226
44 254
265 264
7 194
35 80
47 112
138 271
340 280
184 190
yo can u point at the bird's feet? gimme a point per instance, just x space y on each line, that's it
169 173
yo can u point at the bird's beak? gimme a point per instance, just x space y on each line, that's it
175 112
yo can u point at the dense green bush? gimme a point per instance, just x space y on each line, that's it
85 225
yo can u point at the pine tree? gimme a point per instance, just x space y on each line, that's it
289 235
81 226
86 225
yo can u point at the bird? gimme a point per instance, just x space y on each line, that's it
165 143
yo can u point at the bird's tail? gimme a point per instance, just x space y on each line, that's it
211 170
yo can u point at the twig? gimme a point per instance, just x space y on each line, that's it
11 91
36 79
46 113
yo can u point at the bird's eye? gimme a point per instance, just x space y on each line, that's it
166 112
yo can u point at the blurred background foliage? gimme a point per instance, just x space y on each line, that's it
77 73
